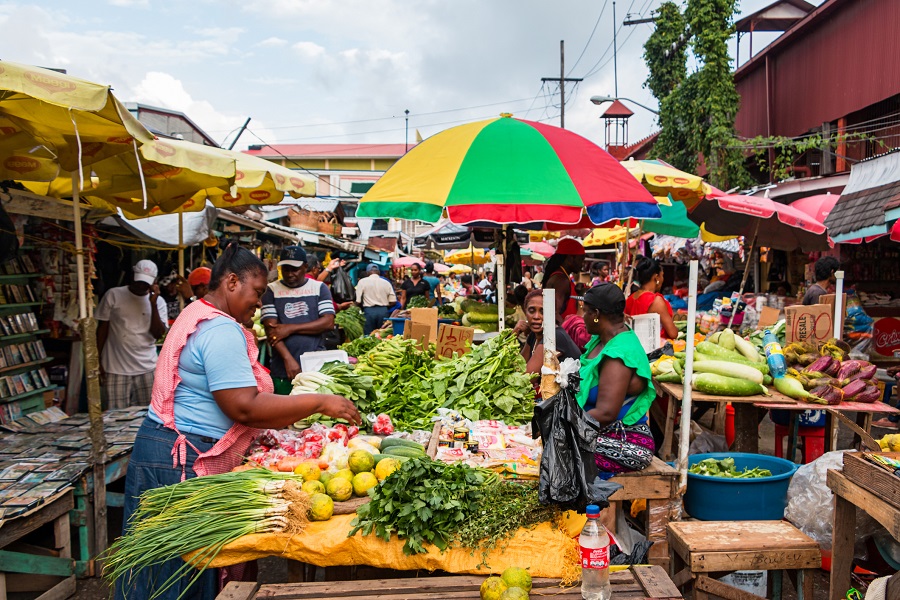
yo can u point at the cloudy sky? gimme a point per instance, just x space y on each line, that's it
344 71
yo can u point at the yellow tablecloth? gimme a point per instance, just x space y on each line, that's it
546 551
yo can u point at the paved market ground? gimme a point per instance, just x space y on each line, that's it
274 570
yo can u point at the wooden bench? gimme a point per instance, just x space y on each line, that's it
702 551
658 484
636 583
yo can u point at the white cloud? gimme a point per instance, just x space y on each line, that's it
130 3
309 50
273 42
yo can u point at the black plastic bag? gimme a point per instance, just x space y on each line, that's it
569 475
341 287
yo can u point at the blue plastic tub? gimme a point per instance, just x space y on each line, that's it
717 499
398 324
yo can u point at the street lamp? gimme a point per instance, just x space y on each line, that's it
598 100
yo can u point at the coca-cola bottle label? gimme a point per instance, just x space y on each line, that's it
595 558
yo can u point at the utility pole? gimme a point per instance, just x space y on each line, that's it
562 83
407 129
615 54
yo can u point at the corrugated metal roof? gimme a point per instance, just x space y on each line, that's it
874 188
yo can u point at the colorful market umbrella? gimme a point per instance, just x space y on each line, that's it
771 224
441 268
542 248
605 236
662 179
507 171
674 221
78 121
818 206
408 261
458 269
468 256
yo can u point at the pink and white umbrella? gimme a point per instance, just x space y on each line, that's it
818 206
773 225
408 261
542 248
441 268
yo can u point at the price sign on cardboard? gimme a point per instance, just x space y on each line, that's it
421 332
808 323
426 316
768 317
453 338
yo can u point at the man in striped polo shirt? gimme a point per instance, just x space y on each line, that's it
296 312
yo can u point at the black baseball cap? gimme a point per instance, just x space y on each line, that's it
607 298
292 256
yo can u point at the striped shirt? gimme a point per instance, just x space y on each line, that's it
295 306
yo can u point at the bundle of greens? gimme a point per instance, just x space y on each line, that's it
417 302
403 391
360 345
427 502
725 468
337 378
202 515
490 382
351 320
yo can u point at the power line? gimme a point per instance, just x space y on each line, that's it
591 37
597 68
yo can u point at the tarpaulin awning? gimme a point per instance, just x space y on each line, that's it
164 228
870 202
449 236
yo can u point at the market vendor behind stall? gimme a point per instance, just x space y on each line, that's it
615 356
533 325
209 395
647 299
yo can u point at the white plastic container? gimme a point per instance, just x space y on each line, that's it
312 362
648 329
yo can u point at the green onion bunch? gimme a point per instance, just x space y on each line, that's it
203 515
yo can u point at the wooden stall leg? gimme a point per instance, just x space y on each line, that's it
669 433
831 427
746 428
719 418
659 512
62 536
806 581
295 571
2 586
864 420
842 547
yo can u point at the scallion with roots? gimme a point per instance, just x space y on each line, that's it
203 515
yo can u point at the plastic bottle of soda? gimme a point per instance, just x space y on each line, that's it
774 355
594 542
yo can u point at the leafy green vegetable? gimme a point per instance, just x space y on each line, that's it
360 345
351 320
417 302
725 468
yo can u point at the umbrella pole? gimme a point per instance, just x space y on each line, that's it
180 255
88 329
633 260
501 282
746 273
686 398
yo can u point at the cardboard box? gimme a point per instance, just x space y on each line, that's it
830 300
813 323
426 316
454 339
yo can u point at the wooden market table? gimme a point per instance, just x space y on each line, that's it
746 420
863 411
859 486
635 583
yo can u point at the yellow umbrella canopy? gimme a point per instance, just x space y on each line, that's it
459 269
662 179
468 256
76 121
168 175
606 236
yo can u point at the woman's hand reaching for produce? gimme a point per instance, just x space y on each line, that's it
338 407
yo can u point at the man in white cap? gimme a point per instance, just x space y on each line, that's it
130 320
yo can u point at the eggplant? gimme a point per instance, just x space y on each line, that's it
821 365
854 388
829 394
869 395
808 358
848 369
866 373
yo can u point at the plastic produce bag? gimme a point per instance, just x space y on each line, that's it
341 287
568 474
811 503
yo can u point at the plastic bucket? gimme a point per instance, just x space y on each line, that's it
398 324
719 499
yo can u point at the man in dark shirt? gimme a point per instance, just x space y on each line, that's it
825 269
296 312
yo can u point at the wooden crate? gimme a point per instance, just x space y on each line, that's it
637 583
876 478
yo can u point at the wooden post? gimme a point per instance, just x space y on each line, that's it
683 443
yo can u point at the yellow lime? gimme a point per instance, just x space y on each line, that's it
514 593
309 471
385 467
339 489
491 588
517 577
343 473
321 507
360 461
363 482
313 487
325 477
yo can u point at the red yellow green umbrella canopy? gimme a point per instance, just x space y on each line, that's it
508 171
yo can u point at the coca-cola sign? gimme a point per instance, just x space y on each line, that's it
886 336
